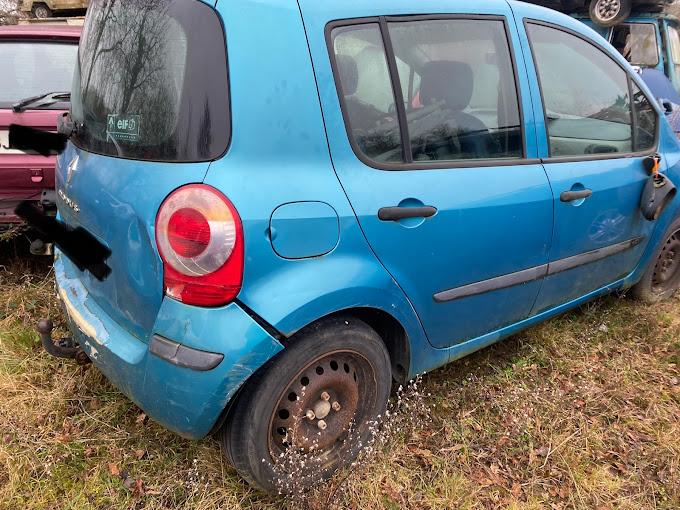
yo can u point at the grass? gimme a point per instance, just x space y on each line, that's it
580 412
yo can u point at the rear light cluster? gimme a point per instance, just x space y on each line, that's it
200 239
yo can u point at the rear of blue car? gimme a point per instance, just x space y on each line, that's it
148 125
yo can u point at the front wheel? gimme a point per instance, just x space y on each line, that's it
608 13
308 411
662 276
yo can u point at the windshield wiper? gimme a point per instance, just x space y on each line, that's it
54 97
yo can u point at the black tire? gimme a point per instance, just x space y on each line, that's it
662 276
608 13
42 11
339 362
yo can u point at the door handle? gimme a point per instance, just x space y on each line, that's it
399 213
570 196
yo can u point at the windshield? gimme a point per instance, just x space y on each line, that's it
151 82
38 68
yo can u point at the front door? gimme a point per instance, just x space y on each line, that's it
596 139
437 156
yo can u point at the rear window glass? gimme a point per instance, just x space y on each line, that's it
151 81
35 68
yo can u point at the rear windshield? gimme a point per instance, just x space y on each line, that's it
35 68
151 81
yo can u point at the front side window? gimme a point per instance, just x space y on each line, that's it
585 95
637 43
35 68
151 81
645 121
455 85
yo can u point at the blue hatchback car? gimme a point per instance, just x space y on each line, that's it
305 200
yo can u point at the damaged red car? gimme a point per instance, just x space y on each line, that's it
38 63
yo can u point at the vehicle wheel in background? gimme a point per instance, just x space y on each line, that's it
608 13
662 276
308 411
42 11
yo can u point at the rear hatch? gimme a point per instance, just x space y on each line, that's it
33 66
150 102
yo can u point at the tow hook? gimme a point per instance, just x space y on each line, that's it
64 348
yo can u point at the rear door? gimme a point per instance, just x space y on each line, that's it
436 151
599 128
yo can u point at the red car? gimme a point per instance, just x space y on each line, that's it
37 64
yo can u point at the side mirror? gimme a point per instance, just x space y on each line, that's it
656 195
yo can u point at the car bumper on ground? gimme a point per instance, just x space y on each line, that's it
222 346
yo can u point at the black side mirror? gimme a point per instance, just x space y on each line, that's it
656 195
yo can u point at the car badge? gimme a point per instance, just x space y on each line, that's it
71 169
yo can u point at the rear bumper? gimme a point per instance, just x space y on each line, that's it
184 400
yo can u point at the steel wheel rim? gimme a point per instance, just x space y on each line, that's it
667 268
608 9
348 379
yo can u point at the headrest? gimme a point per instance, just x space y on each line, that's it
349 74
446 80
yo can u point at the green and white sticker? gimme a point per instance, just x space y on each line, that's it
123 126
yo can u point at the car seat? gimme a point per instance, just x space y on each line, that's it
452 83
363 116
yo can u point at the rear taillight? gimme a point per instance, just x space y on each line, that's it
200 239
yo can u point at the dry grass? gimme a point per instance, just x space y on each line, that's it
580 412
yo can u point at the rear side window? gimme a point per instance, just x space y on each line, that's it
35 68
448 94
151 81
368 96
585 95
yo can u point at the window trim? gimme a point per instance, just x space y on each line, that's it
656 39
382 22
629 77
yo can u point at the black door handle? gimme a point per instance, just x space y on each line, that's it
399 213
569 196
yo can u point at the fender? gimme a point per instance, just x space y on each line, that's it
669 146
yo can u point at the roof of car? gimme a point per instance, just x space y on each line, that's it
41 31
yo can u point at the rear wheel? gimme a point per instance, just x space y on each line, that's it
42 11
608 13
662 276
309 410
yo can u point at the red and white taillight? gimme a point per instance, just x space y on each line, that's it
200 239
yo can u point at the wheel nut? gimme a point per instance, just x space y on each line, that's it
322 425
310 414
325 396
336 406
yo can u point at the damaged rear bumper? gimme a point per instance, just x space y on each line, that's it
185 397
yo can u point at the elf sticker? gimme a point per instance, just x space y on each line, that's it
123 126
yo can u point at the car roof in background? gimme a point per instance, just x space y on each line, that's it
41 32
